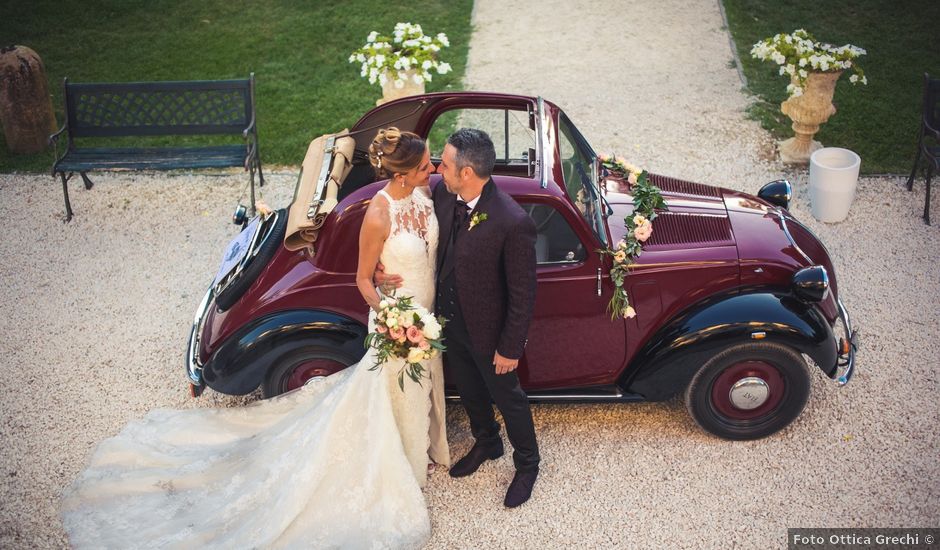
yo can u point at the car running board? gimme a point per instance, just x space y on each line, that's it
594 394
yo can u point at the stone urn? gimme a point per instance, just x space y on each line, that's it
390 91
25 104
808 112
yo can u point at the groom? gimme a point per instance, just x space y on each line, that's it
486 291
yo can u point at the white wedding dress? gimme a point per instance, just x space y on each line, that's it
338 463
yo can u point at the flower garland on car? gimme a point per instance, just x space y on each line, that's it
407 49
647 199
798 53
406 331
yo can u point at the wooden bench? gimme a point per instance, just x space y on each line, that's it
185 108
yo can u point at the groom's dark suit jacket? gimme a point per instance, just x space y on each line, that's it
495 269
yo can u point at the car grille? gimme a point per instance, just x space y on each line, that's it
673 186
670 228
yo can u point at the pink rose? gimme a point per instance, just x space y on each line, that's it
629 312
414 334
396 333
643 232
424 345
381 329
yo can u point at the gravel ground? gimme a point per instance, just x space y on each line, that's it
96 315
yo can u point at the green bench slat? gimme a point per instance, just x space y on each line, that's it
164 158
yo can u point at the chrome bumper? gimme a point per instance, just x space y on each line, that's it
193 365
845 363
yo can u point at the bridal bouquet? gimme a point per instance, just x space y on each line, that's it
406 331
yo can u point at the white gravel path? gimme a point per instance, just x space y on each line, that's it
96 314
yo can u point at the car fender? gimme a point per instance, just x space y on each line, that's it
668 360
242 361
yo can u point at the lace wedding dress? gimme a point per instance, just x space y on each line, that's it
338 463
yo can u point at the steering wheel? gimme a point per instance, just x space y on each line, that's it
543 223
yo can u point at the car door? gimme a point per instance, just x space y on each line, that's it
572 340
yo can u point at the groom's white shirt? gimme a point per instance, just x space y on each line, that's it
471 204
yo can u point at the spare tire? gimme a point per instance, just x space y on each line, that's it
270 239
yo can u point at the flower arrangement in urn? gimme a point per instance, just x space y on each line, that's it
647 199
813 68
401 63
406 331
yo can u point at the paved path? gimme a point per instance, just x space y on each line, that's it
96 313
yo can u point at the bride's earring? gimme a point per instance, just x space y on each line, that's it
403 182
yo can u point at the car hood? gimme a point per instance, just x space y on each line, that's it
697 216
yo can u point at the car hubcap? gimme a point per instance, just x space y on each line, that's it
749 393
748 390
313 369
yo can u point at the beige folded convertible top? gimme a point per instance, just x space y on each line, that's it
326 165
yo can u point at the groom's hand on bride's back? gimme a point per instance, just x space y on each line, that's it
386 282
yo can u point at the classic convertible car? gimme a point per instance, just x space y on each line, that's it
733 295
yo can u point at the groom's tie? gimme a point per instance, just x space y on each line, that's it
461 213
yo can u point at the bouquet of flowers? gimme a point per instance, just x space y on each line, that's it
406 331
647 199
798 53
408 49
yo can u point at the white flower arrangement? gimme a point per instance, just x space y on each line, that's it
393 56
799 53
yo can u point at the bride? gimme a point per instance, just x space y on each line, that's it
335 464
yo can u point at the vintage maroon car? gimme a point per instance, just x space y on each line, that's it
733 295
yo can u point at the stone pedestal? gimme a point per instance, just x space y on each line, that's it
391 92
25 104
808 112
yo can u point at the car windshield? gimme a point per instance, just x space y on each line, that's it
578 167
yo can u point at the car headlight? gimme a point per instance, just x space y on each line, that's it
777 193
811 284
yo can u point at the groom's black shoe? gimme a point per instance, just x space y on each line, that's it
478 455
520 489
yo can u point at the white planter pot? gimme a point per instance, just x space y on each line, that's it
833 177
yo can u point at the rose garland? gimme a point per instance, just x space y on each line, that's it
647 199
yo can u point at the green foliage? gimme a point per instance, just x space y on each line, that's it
298 50
878 121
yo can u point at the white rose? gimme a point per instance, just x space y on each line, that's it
383 304
443 68
407 320
417 78
426 65
372 36
391 322
415 355
432 329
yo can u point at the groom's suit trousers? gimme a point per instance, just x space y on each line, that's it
478 384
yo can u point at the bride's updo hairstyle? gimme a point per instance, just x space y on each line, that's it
393 151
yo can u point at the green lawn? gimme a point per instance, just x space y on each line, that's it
298 50
878 121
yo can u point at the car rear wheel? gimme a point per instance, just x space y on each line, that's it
304 366
749 391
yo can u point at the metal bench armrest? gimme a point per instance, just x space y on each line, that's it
931 131
54 142
55 137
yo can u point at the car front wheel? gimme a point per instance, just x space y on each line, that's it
303 366
749 391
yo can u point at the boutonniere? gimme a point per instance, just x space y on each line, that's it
476 219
